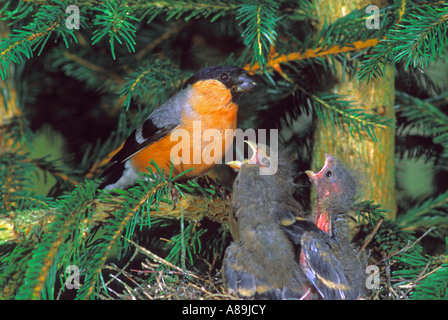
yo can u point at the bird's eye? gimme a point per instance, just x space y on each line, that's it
224 76
328 174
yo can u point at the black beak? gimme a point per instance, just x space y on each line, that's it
245 82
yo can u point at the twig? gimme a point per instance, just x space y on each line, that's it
406 247
105 73
172 29
161 260
195 208
313 53
388 280
414 283
126 265
371 235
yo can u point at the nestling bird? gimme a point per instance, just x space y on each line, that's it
262 261
328 259
207 100
336 189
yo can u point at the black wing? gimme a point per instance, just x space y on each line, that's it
324 268
248 284
147 133
295 226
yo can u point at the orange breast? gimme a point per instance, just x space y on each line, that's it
205 135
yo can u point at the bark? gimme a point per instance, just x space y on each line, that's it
9 101
193 208
372 161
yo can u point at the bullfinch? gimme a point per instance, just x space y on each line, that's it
178 131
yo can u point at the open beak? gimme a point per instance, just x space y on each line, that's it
316 175
253 146
236 165
311 174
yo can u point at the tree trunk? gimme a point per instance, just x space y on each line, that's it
8 98
373 161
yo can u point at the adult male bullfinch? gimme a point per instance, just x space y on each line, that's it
328 259
262 262
207 100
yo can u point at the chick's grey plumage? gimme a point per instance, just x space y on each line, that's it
261 262
329 259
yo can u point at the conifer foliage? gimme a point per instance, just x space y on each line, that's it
92 70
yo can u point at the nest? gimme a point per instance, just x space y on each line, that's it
158 279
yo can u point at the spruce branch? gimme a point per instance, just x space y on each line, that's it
20 12
430 24
429 213
260 19
341 114
419 37
314 53
49 20
40 236
369 212
423 113
347 34
420 276
20 224
176 9
151 83
97 156
53 244
172 29
113 230
114 19
137 201
53 169
15 175
159 259
432 285
98 71
391 239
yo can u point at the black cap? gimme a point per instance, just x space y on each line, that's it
234 78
